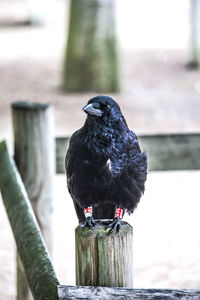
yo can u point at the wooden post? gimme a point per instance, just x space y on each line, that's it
104 259
34 156
30 245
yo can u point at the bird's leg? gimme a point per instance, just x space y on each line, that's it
116 224
89 221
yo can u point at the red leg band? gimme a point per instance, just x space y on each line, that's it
119 213
88 211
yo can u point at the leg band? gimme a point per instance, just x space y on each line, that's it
119 213
88 211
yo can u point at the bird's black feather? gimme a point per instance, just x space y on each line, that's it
104 164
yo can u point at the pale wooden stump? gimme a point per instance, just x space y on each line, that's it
34 156
104 259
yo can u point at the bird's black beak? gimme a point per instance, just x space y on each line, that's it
90 109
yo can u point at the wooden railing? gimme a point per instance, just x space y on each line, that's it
165 151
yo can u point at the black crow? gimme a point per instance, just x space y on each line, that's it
105 167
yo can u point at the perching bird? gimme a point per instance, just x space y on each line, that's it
106 170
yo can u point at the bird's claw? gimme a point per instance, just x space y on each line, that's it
115 225
89 222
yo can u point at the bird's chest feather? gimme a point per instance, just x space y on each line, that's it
108 156
104 149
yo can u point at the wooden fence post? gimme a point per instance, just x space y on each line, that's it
34 156
33 253
104 259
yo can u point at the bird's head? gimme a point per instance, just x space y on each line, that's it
102 107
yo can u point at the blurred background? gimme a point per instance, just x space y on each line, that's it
156 81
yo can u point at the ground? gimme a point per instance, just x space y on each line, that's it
159 94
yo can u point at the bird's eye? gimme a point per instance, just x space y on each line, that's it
107 107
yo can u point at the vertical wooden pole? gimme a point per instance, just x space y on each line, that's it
104 259
34 156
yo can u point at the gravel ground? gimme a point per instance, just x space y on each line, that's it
159 94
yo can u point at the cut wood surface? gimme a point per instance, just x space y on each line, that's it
31 248
111 293
104 259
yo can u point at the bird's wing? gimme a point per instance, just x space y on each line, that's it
71 159
133 143
127 157
129 170
125 148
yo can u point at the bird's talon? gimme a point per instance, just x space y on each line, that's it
89 222
115 225
109 225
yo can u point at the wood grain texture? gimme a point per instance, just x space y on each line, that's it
104 259
30 245
111 293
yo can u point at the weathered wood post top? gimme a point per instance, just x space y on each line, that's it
104 259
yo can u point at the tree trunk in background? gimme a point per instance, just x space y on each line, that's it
91 60
34 156
194 61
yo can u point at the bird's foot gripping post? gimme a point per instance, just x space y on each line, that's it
89 220
116 224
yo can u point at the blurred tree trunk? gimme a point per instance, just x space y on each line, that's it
194 33
91 60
